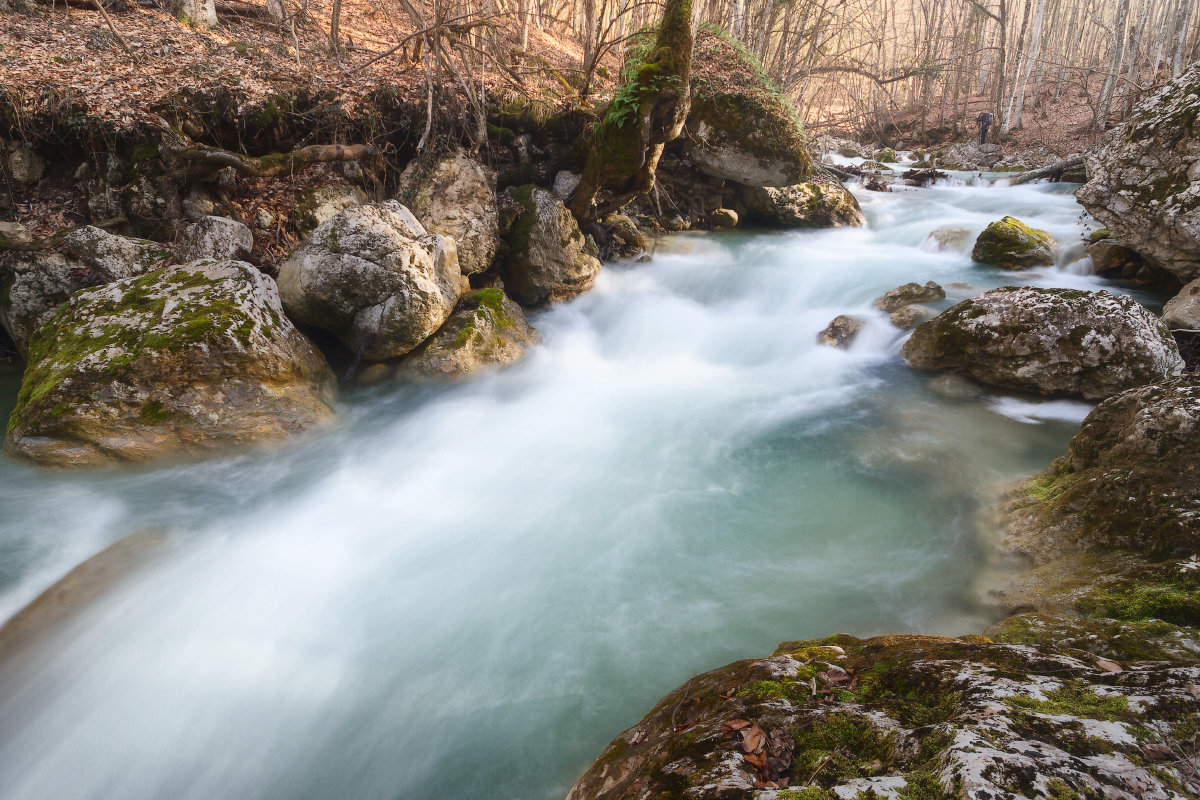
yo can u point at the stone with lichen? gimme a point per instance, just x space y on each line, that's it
180 360
1011 244
486 330
549 258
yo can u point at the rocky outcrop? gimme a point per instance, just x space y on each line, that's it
41 281
456 197
372 276
549 258
969 156
908 717
219 238
1011 244
1144 179
177 361
1182 312
908 294
1060 342
486 330
813 204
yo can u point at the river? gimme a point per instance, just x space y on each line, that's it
467 590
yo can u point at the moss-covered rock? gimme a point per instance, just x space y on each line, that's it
549 258
887 156
41 281
907 716
1011 244
372 276
176 361
1061 342
487 329
813 204
1143 179
740 126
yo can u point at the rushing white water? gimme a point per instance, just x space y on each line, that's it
467 590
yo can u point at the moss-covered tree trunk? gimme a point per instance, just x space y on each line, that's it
646 112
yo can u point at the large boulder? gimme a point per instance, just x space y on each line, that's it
813 204
549 257
1009 243
456 197
486 330
1130 479
218 238
319 203
40 281
1144 178
1060 342
372 276
740 127
1182 312
179 360
909 717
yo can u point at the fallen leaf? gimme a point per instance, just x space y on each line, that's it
753 739
735 724
1108 665
757 759
1157 751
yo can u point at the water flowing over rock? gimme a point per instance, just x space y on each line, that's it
947 237
41 281
907 715
1049 341
176 361
373 277
486 330
1011 244
1182 312
456 197
549 256
1144 179
814 204
219 238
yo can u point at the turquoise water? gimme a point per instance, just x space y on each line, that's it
468 590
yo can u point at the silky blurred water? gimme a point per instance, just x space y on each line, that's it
467 590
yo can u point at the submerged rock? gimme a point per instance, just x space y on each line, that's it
1011 244
372 276
911 316
486 330
177 361
947 237
1144 179
220 238
41 281
1049 341
456 197
549 258
908 294
921 716
840 332
813 204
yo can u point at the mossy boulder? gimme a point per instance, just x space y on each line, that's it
40 281
455 195
1130 479
375 278
1144 178
487 329
907 716
909 294
1011 244
887 156
1060 342
549 258
813 204
180 360
741 127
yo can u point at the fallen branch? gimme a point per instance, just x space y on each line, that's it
275 164
1057 168
115 32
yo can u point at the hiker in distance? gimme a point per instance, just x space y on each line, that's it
984 120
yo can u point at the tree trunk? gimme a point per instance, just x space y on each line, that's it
1114 68
198 13
649 111
335 28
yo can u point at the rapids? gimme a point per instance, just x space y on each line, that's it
467 590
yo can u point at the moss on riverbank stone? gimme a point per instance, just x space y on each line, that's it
1011 244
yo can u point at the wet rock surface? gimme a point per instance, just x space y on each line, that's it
487 330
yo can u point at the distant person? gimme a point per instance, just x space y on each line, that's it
984 121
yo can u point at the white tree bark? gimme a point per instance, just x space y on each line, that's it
200 13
